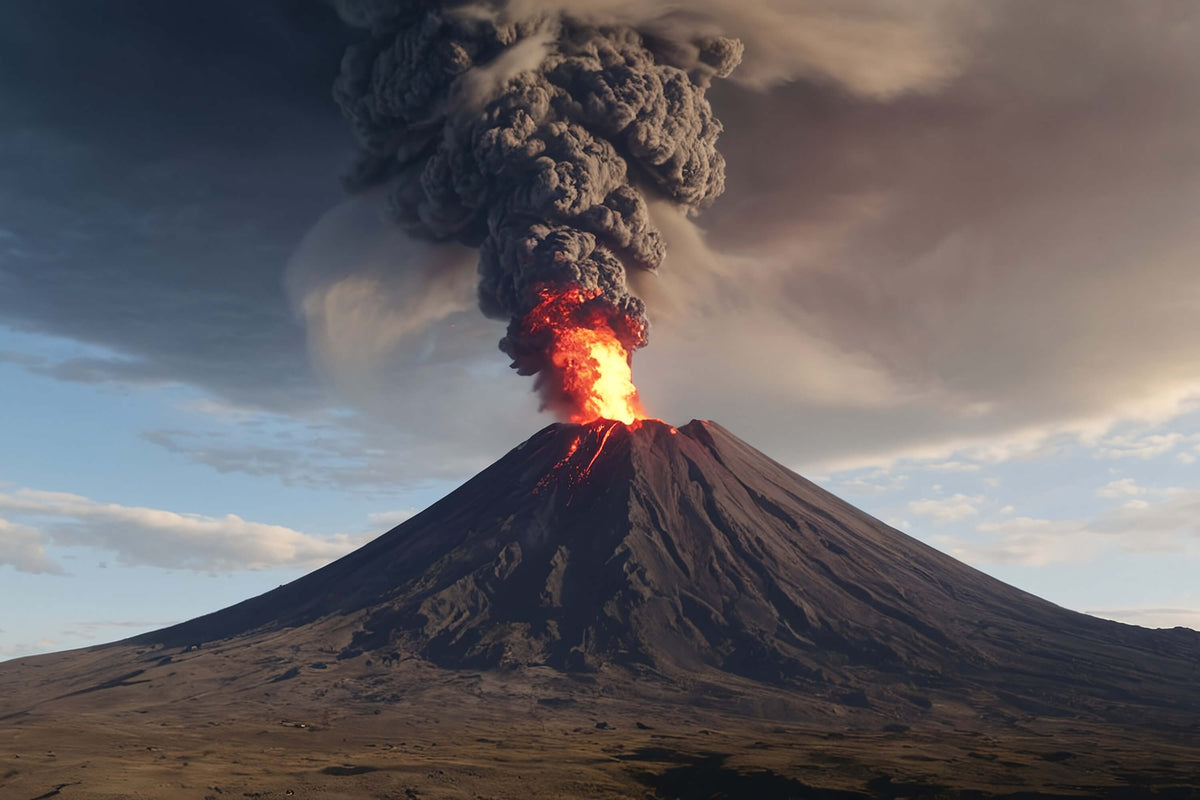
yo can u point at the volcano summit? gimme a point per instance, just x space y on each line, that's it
605 574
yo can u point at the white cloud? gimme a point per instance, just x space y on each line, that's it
950 509
1168 526
1144 447
222 410
1125 487
952 466
937 444
879 481
148 536
24 548
1028 542
1138 526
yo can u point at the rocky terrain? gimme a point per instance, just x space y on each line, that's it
620 611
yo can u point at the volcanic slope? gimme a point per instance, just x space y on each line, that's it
612 610
686 552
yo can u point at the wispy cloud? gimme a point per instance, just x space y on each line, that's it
1137 526
154 537
1124 487
1145 447
952 466
1027 541
24 548
1170 525
873 482
949 509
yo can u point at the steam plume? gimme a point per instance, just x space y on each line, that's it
537 138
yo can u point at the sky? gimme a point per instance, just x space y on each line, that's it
952 280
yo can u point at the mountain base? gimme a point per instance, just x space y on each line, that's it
235 722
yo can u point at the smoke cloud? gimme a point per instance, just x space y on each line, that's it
364 289
537 136
877 49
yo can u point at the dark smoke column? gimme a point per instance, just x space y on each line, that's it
537 140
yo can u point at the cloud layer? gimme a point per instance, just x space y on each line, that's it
154 537
981 260
946 229
1166 524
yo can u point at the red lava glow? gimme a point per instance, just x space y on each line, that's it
591 363
599 449
571 470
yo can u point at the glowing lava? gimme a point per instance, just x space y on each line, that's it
588 443
591 365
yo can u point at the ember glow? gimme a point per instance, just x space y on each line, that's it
591 367
588 445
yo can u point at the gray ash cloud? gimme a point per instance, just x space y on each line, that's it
538 140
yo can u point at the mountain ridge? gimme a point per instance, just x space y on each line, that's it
673 552
609 611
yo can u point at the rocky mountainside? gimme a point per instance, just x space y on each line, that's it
685 552
615 611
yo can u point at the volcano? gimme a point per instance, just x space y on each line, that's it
687 551
672 568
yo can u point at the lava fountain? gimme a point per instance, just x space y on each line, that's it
591 373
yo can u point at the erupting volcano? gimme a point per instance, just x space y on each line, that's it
616 607
688 553
588 374
545 168
604 574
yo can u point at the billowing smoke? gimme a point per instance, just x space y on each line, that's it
537 138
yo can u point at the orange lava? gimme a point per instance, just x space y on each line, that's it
599 450
570 469
591 365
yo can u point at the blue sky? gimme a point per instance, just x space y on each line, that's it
1103 527
952 280
95 441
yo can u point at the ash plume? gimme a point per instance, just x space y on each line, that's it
538 138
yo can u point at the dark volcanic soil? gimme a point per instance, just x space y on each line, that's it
664 612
